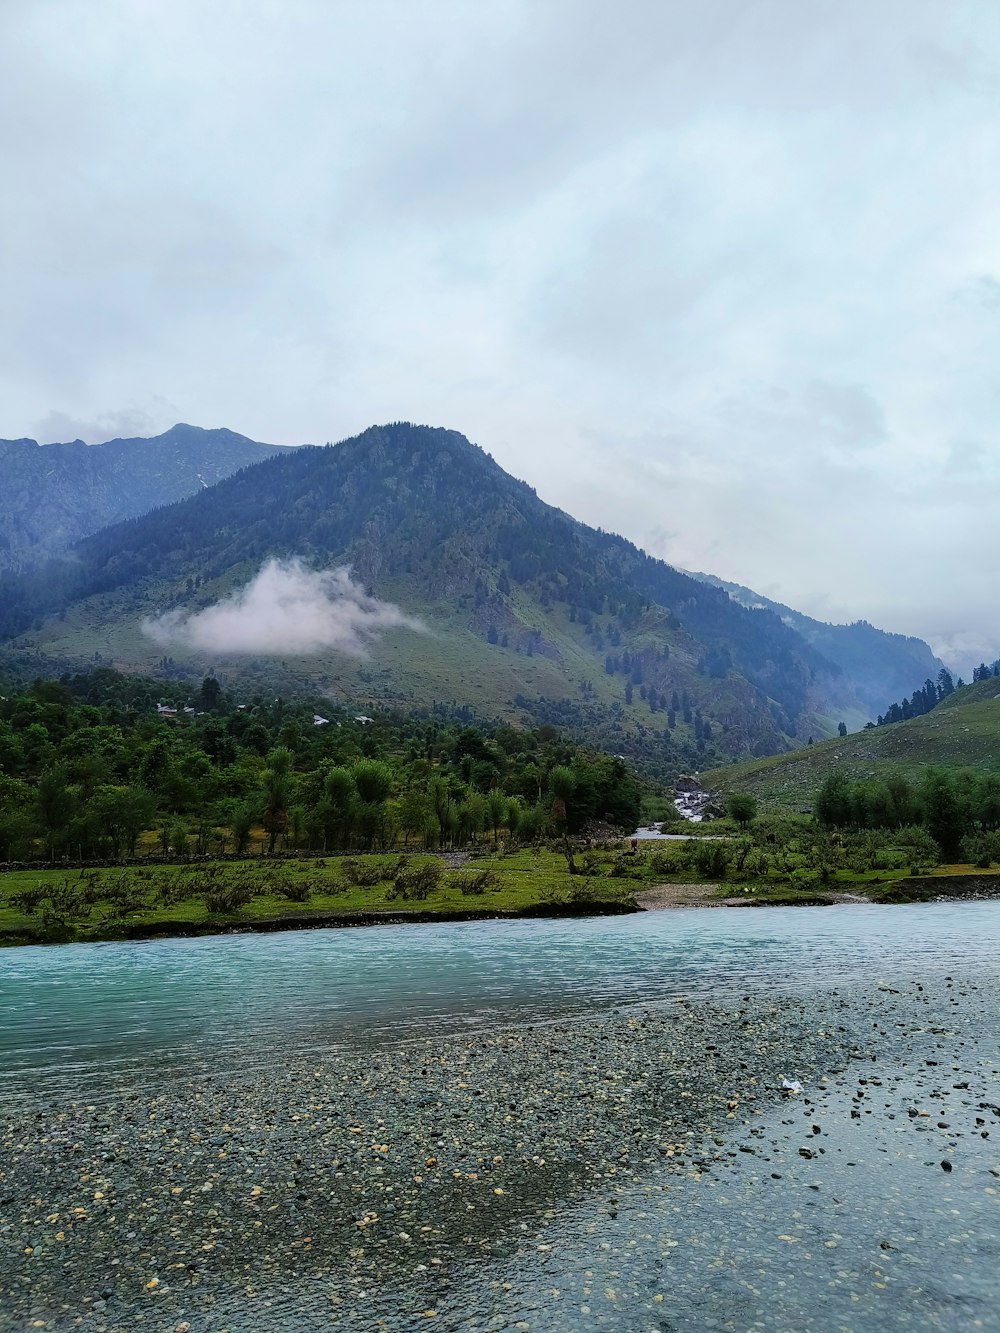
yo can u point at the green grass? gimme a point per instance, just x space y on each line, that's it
963 734
521 881
525 880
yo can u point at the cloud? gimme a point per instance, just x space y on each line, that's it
285 611
126 423
758 241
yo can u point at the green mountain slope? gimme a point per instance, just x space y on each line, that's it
54 494
963 731
531 614
881 666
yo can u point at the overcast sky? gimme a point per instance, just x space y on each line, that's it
723 276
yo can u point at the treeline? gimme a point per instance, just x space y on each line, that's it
99 765
955 806
931 693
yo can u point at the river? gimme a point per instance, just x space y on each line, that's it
875 1234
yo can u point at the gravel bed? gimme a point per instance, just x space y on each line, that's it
363 1187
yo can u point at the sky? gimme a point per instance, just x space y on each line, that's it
723 277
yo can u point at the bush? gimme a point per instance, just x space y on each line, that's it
366 875
124 896
625 866
27 900
981 849
417 883
295 890
228 897
473 884
664 862
169 889
710 859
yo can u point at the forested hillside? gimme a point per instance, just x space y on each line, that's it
531 614
96 765
961 731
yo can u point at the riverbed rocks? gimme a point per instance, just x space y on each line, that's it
693 802
367 1187
362 1166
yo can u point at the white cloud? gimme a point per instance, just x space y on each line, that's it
287 610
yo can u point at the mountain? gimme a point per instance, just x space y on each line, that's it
963 731
881 666
54 494
531 613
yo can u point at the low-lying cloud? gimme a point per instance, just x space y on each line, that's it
287 610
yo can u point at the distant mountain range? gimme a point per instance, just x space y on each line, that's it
530 613
54 494
874 660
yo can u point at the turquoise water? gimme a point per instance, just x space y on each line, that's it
93 1012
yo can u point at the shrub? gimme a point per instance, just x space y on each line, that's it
710 859
473 884
228 897
124 895
981 849
365 875
626 867
27 900
664 862
169 889
417 883
295 890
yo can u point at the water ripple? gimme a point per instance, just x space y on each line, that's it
76 1015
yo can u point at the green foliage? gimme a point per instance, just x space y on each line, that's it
741 806
711 858
227 896
667 861
981 849
366 874
417 882
473 883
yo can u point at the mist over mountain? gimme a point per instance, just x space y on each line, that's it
874 659
528 612
54 494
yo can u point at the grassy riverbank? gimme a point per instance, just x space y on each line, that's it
143 901
137 901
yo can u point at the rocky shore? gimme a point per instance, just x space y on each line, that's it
356 1169
370 1188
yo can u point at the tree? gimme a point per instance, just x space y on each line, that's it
241 822
414 812
562 784
54 803
335 810
17 824
742 807
277 790
833 802
943 816
373 780
841 729
496 811
121 813
210 693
